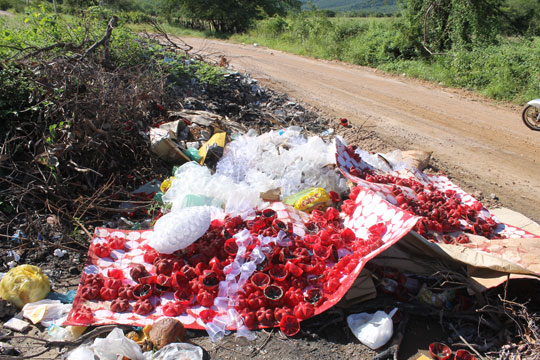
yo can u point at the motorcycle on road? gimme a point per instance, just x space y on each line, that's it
531 115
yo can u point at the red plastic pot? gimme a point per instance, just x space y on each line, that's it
260 280
269 215
289 325
313 296
210 281
322 252
142 291
311 228
440 351
278 272
231 247
273 292
279 312
184 296
464 355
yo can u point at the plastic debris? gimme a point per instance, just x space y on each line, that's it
16 324
176 351
83 352
46 311
179 229
66 298
373 330
24 284
67 333
193 179
282 159
59 253
115 345
309 199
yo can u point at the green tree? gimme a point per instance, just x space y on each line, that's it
225 15
452 24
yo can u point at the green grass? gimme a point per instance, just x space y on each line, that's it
177 31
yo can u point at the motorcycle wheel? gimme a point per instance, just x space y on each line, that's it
531 117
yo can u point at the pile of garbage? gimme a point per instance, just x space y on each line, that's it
263 230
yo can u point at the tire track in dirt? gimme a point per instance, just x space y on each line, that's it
477 141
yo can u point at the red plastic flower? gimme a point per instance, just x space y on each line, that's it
143 307
256 300
265 317
115 273
83 316
126 292
108 293
289 325
249 317
101 250
164 266
90 291
304 310
142 291
112 283
137 272
117 243
279 312
260 280
120 305
173 308
207 315
184 296
205 298
93 279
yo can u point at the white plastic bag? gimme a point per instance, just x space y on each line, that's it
180 228
83 352
373 330
116 344
176 351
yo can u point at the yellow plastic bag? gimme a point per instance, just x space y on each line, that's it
166 184
308 199
24 284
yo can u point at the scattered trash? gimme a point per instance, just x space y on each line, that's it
166 331
7 309
67 333
309 199
59 252
180 228
24 284
176 351
46 311
373 330
283 160
440 351
16 325
66 298
115 345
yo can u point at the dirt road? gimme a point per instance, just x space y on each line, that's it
481 145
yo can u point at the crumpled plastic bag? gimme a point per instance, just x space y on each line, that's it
180 228
373 330
176 351
24 284
46 311
116 344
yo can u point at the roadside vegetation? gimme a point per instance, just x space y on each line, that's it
477 49
491 47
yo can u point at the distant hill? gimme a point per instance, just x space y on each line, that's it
356 5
